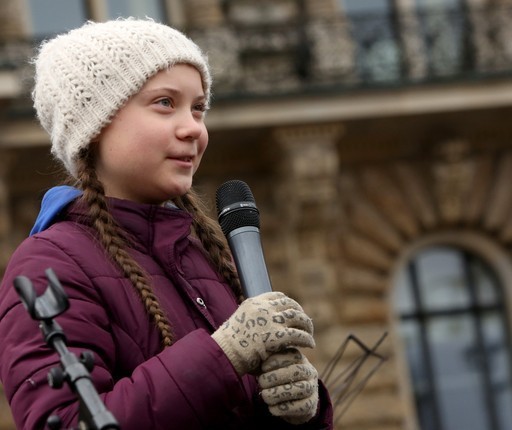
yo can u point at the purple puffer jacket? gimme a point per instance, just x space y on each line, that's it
190 385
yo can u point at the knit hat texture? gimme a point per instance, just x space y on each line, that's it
83 77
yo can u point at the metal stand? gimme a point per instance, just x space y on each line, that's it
92 412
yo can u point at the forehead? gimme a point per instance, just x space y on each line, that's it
175 75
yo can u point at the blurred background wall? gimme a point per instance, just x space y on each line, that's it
376 136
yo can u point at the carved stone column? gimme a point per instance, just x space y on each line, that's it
308 206
452 172
97 10
410 38
310 167
12 22
490 33
332 48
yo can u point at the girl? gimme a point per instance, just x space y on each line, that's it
175 344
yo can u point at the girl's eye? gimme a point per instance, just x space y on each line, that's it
200 107
166 102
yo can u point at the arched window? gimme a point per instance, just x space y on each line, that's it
453 324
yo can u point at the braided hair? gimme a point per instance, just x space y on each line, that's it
116 243
209 233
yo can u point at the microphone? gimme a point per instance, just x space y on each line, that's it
239 219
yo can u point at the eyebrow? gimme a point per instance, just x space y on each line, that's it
170 90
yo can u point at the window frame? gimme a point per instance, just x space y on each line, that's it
484 248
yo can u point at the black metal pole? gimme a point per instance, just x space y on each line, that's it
92 414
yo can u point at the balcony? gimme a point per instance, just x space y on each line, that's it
371 51
340 54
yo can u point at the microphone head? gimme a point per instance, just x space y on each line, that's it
236 206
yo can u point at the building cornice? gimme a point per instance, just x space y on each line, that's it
358 105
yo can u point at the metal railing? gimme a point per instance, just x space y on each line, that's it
344 53
361 51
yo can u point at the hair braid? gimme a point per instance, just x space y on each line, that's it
212 239
114 241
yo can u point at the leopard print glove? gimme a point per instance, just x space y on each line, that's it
289 384
262 325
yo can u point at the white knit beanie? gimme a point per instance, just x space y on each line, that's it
83 77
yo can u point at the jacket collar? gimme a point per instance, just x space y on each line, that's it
148 226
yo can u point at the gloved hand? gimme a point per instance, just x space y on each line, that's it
289 384
263 325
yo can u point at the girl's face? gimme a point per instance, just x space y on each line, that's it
154 144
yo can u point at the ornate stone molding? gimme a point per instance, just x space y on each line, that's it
388 207
307 199
452 173
310 150
499 200
309 168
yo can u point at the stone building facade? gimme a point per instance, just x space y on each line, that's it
361 154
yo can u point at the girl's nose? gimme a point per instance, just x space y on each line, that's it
189 126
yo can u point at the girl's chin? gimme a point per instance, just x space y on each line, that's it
179 190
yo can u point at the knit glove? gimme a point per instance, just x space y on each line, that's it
263 325
289 384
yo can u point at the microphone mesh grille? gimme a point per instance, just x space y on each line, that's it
232 192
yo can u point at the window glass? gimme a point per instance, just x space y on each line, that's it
441 279
497 349
372 30
410 333
486 284
50 17
457 370
403 297
455 334
136 8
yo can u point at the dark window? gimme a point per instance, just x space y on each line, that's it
443 28
50 17
455 332
373 31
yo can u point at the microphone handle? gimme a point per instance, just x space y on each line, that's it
247 252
